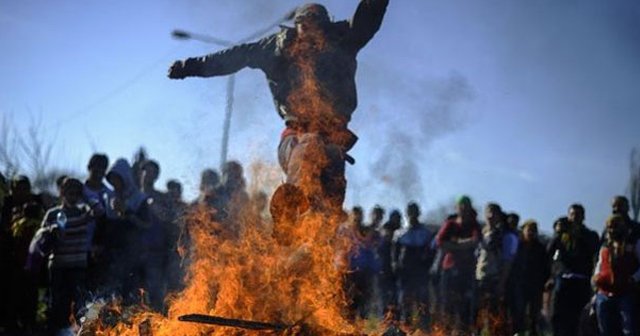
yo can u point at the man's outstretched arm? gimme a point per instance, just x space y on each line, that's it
221 63
366 21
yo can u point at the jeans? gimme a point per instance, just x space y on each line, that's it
67 285
569 298
457 295
615 315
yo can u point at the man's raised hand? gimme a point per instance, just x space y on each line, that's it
176 71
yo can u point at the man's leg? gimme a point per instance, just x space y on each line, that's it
607 313
628 315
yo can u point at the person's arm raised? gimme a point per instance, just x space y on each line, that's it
367 21
221 63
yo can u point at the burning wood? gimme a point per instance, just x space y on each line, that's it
236 323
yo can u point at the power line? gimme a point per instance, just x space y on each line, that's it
89 108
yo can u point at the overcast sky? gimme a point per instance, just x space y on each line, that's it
532 104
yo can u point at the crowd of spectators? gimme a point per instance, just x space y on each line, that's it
112 235
116 235
493 276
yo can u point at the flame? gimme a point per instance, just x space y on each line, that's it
253 276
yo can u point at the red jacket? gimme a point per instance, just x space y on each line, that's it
451 230
615 276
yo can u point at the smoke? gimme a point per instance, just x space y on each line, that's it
431 109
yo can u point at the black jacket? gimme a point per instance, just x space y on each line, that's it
333 66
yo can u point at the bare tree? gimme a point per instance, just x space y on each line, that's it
634 182
29 153
37 155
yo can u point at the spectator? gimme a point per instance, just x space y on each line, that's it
497 250
363 265
137 243
25 289
435 274
573 251
97 195
12 212
414 260
259 214
620 206
387 255
176 209
616 273
210 197
68 223
377 216
512 221
149 173
458 238
530 272
234 197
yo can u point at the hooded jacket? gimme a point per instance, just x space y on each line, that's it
137 240
134 197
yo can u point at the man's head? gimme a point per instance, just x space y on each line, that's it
616 227
493 214
71 191
357 215
174 190
117 182
209 181
312 12
311 16
150 172
377 214
413 211
530 230
233 175
20 187
561 225
464 207
576 214
620 205
97 166
395 221
513 219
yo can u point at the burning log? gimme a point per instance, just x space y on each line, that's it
236 323
298 328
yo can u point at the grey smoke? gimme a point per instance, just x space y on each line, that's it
432 109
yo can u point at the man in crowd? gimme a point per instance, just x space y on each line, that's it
363 264
616 274
12 232
498 248
137 239
97 195
414 259
387 254
458 238
529 273
68 223
573 251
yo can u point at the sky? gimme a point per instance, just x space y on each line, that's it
531 104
